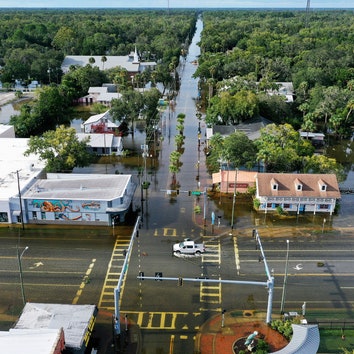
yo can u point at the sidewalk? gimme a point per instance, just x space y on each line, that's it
105 342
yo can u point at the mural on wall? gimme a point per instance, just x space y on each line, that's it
67 210
63 216
91 205
55 205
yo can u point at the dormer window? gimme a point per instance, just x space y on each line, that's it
298 185
274 184
322 185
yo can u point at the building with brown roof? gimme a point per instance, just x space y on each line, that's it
234 181
316 193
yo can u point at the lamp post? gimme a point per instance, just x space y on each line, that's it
20 199
19 257
323 225
233 201
285 278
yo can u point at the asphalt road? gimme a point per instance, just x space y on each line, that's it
83 266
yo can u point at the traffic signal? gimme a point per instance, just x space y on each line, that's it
177 191
141 275
158 276
189 193
180 281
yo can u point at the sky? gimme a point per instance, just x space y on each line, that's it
178 3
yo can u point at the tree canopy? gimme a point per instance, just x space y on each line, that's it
60 149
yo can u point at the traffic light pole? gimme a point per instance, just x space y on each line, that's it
269 284
121 278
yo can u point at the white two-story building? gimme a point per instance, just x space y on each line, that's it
315 193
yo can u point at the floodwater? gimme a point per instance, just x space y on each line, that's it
6 112
156 165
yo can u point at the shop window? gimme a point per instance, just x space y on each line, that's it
4 217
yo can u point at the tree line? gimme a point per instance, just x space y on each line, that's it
245 53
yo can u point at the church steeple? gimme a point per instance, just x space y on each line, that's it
136 57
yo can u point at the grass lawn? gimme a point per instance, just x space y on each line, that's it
331 340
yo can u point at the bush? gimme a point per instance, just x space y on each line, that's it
283 328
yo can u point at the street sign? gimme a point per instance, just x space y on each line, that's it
196 193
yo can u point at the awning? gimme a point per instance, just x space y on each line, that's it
16 213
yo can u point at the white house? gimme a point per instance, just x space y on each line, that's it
101 95
315 193
99 123
103 144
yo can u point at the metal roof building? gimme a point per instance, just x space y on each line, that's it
77 322
79 198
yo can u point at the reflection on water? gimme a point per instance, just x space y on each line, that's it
6 112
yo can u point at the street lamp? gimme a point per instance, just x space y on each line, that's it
19 257
20 199
233 201
285 278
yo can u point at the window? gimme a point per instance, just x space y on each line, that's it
4 217
286 206
34 215
323 206
43 217
299 187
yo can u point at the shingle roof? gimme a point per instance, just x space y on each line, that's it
305 340
311 184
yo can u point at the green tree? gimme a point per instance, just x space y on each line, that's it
65 40
235 150
281 148
128 107
323 164
60 149
227 109
47 111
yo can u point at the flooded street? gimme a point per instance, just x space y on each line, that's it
193 175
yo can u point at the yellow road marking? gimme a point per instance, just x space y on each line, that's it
169 231
85 281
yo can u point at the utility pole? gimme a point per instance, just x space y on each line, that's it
285 278
20 198
19 258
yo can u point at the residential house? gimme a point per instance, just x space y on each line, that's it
103 95
103 143
251 127
285 89
299 193
99 123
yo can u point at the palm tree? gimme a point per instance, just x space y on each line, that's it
92 61
103 60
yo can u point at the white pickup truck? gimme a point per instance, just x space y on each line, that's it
188 247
